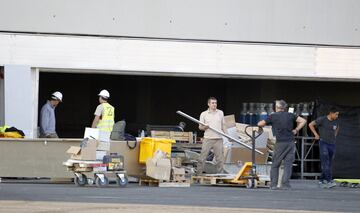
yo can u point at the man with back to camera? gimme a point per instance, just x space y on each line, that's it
215 118
283 122
47 116
104 113
329 129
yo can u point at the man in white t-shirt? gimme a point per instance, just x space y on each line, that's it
214 118
104 113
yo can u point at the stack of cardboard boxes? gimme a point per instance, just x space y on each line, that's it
94 147
238 153
167 171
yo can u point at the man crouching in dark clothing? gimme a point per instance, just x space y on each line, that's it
283 125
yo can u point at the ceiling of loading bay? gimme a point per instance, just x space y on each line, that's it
142 100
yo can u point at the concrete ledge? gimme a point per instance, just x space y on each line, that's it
44 157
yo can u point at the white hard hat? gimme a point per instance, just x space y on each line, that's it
104 93
57 95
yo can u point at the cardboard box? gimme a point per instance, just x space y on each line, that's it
88 152
160 170
176 162
229 121
178 136
182 136
105 146
100 154
244 155
104 136
100 169
261 141
178 171
160 134
178 174
92 133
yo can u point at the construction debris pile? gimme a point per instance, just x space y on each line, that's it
92 162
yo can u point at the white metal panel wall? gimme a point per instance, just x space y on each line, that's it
338 63
334 22
165 57
21 97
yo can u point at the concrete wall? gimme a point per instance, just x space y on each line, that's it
2 99
333 22
44 158
21 98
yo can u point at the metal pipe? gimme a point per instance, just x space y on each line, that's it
218 131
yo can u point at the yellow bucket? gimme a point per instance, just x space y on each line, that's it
149 145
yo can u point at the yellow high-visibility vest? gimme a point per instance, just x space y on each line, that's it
106 122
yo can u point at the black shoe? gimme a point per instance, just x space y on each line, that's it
287 187
274 188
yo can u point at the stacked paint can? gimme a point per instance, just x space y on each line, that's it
252 113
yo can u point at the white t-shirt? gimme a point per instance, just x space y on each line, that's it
99 110
214 120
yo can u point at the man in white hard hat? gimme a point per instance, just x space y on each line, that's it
47 116
104 113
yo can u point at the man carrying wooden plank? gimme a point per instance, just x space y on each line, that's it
215 118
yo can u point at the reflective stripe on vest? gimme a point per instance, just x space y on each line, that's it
107 118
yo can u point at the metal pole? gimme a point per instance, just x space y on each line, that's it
302 157
253 167
218 131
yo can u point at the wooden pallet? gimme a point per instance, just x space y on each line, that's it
223 180
162 183
211 180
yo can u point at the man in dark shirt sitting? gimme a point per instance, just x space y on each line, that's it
328 128
283 125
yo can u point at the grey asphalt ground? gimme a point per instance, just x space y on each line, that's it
305 195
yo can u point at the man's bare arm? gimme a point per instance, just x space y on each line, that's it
312 125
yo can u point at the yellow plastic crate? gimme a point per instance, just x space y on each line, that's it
149 145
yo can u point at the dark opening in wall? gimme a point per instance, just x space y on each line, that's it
142 100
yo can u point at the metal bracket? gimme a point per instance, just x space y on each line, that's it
79 176
121 176
101 176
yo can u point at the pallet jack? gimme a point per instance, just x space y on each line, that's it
247 174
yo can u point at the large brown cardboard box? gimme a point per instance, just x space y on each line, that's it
229 121
244 155
105 146
160 170
88 152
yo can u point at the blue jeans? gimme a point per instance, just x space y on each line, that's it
327 154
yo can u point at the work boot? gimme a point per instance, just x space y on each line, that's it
285 187
331 184
274 188
323 184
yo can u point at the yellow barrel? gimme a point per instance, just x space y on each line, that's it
149 145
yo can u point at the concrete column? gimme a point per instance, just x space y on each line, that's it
21 98
2 105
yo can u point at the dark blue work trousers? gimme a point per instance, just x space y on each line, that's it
327 154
